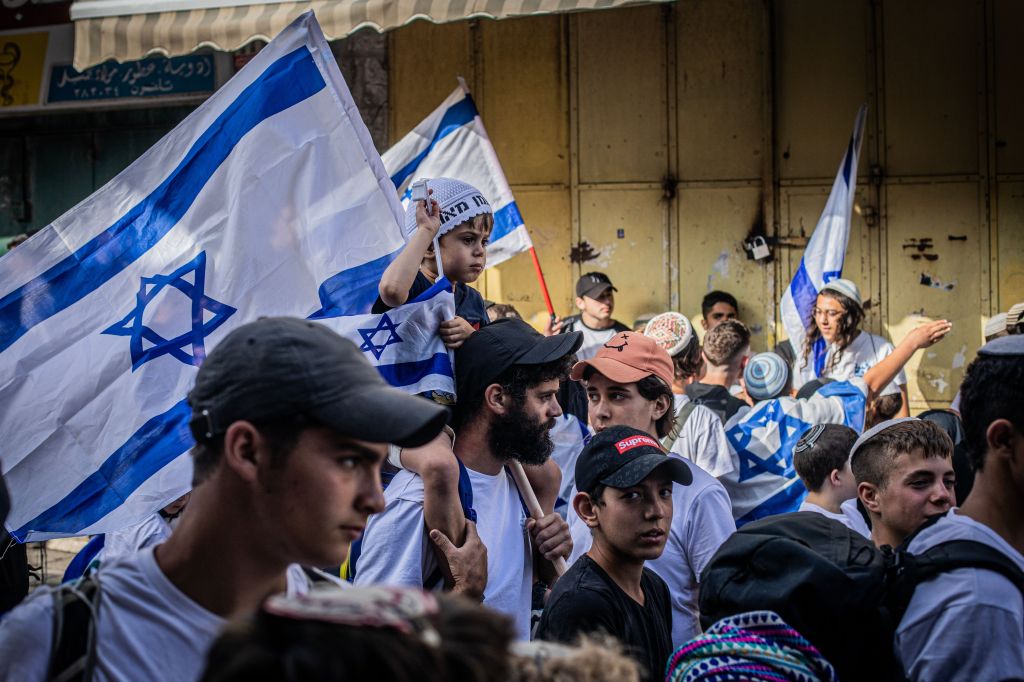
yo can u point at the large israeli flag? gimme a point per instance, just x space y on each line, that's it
269 199
453 143
823 258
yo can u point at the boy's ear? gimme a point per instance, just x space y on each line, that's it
579 303
833 478
586 509
868 494
662 404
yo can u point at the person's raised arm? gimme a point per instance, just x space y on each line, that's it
882 374
401 273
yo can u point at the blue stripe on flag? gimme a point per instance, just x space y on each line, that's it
804 294
155 445
443 284
409 373
288 81
506 219
786 500
457 116
352 291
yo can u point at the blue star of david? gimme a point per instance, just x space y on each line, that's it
132 326
385 325
778 463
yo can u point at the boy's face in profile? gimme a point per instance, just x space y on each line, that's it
916 488
464 250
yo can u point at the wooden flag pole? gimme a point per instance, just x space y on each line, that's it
532 504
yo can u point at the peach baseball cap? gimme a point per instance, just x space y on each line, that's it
627 358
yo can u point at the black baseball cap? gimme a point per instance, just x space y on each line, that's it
277 367
621 457
497 346
593 284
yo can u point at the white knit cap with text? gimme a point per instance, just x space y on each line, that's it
459 202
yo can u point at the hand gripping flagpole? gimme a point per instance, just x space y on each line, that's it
532 504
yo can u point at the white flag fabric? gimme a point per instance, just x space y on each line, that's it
823 258
269 199
453 143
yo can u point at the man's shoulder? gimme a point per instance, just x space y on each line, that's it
26 637
620 327
569 323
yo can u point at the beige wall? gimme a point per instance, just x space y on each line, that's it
658 137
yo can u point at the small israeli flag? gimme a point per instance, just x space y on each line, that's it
269 199
823 258
451 142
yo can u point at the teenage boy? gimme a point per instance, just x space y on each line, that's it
628 384
904 472
625 499
716 308
726 346
507 379
595 299
968 624
291 425
822 461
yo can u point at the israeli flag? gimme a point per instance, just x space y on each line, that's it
269 199
763 481
453 143
823 258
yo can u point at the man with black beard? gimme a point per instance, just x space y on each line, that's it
507 378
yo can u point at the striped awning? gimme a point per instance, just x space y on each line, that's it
125 29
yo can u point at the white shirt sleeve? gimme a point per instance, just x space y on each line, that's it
709 525
393 547
26 638
703 442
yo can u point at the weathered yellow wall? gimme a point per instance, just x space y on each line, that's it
661 136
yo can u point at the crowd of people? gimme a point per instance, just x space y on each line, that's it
602 502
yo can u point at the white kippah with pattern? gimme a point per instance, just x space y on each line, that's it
459 202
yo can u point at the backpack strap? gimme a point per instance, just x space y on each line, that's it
73 650
912 570
681 416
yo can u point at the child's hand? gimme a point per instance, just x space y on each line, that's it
429 223
454 331
554 326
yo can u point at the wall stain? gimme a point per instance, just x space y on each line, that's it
582 252
934 282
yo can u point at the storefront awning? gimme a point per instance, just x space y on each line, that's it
125 29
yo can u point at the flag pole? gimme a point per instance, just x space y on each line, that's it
543 284
532 504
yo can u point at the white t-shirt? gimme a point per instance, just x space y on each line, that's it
763 481
569 436
397 551
863 353
856 524
594 339
966 624
152 531
702 439
147 628
701 522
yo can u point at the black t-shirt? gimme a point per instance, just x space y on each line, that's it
469 304
587 600
716 398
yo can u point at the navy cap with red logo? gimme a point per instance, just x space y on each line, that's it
621 457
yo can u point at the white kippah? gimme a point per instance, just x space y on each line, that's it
459 202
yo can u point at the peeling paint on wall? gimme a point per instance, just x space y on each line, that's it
720 268
935 283
939 383
960 359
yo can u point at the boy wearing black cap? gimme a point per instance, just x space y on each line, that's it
625 482
507 378
291 423
968 624
596 302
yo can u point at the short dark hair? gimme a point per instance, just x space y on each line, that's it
883 408
651 388
713 297
829 453
993 388
726 342
876 458
515 380
281 435
688 362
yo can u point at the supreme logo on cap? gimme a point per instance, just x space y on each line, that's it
627 444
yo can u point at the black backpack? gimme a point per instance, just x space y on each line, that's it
833 585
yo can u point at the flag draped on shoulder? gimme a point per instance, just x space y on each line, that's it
823 258
452 142
269 199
